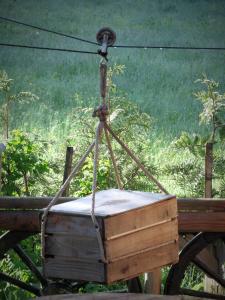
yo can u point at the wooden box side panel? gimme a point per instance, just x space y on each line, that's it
140 218
74 246
135 242
145 262
60 267
72 224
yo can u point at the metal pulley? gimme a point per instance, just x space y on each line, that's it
105 37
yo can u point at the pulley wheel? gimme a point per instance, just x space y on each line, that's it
106 31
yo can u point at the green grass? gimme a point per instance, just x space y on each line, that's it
161 81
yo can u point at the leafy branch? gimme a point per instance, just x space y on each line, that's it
9 98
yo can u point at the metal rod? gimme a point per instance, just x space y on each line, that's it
138 162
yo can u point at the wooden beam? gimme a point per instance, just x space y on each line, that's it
184 204
208 169
201 221
20 220
67 169
8 202
194 215
200 204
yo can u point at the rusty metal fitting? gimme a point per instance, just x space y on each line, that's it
105 37
101 112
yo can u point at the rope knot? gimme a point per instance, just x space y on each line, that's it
101 112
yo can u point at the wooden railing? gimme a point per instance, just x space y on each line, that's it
194 215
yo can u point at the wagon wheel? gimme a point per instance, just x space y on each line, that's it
10 241
195 252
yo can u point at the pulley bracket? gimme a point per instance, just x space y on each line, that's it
105 37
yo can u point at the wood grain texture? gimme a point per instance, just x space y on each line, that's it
117 296
200 204
22 220
153 282
60 267
143 262
141 240
201 221
141 217
81 247
67 169
71 224
29 202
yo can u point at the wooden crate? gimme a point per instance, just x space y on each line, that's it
139 233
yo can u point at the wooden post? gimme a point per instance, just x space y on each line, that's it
67 168
217 251
2 149
208 169
153 282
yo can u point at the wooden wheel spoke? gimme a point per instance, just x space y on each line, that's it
26 259
208 271
196 251
20 284
201 294
9 239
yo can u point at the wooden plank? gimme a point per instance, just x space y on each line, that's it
207 258
67 169
71 224
153 282
201 221
208 169
137 241
60 267
115 296
79 247
200 204
110 202
8 202
143 262
25 220
139 218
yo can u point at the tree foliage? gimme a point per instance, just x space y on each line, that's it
23 165
8 98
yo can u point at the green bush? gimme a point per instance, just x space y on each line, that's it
23 165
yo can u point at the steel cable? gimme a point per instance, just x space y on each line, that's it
47 48
48 30
167 47
114 46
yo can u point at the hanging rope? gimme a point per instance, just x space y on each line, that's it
117 174
137 161
62 189
101 112
94 188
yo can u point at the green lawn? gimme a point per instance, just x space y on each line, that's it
161 81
